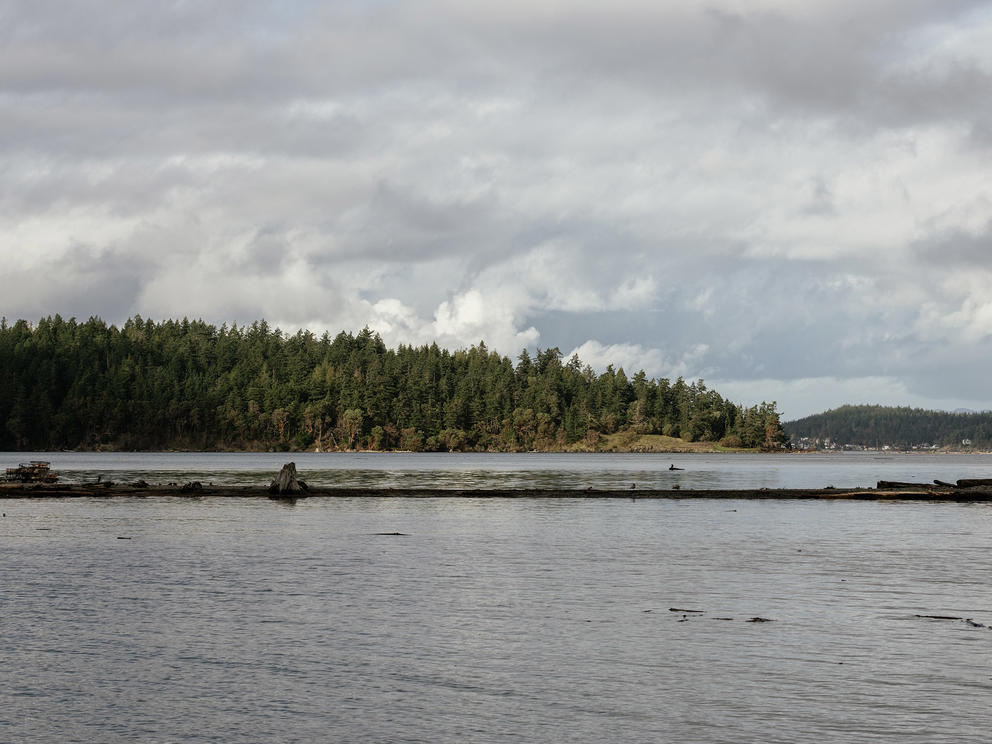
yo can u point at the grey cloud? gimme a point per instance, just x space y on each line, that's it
764 319
829 62
956 248
266 252
86 282
534 158
121 188
396 223
177 78
821 199
825 60
967 378
91 127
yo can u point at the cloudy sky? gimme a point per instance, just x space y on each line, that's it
791 199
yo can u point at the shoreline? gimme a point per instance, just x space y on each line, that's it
704 448
195 491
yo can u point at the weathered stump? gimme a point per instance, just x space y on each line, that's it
287 482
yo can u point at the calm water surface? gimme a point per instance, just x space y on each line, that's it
246 620
576 471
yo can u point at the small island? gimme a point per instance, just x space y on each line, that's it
190 386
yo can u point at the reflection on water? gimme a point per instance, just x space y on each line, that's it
246 620
572 471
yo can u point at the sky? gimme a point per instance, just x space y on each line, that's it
789 199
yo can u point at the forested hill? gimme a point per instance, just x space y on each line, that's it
872 426
189 385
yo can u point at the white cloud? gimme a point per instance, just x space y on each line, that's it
635 357
472 315
970 322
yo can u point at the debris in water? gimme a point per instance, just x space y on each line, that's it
36 471
287 482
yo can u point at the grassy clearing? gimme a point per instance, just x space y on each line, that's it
627 441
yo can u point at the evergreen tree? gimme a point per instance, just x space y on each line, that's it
186 384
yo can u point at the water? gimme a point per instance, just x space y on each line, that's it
246 620
567 471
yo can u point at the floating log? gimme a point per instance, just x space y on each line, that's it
974 482
883 485
945 483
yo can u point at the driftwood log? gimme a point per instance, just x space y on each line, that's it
895 485
287 482
974 482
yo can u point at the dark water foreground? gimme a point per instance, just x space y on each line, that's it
168 619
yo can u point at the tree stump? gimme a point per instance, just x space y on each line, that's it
287 482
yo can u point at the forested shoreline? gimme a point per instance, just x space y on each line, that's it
898 427
190 385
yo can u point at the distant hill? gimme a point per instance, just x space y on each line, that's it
903 428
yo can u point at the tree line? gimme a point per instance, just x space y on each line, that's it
190 385
900 427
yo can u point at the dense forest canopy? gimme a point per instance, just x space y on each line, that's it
875 426
189 385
